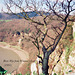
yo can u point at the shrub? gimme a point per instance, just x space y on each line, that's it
18 32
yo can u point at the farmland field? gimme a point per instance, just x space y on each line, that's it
6 20
9 59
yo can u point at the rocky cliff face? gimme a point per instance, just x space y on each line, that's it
66 64
74 31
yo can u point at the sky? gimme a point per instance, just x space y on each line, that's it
2 5
5 9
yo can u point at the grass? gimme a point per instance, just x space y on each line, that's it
71 66
74 35
16 47
69 49
5 20
5 44
68 52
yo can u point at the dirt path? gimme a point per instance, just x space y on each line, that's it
11 59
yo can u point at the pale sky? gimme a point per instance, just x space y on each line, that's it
5 9
1 4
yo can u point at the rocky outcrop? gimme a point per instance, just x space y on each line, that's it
74 31
66 65
36 68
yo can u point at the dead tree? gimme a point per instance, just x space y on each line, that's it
50 11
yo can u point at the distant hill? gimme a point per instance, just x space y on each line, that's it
5 16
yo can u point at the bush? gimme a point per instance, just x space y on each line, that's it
18 32
27 30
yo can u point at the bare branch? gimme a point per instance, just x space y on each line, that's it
50 51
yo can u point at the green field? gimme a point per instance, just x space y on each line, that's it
6 20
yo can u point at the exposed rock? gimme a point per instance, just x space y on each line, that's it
19 41
58 68
36 67
33 68
74 31
72 58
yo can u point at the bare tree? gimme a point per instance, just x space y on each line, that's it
49 11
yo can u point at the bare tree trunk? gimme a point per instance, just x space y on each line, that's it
45 64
